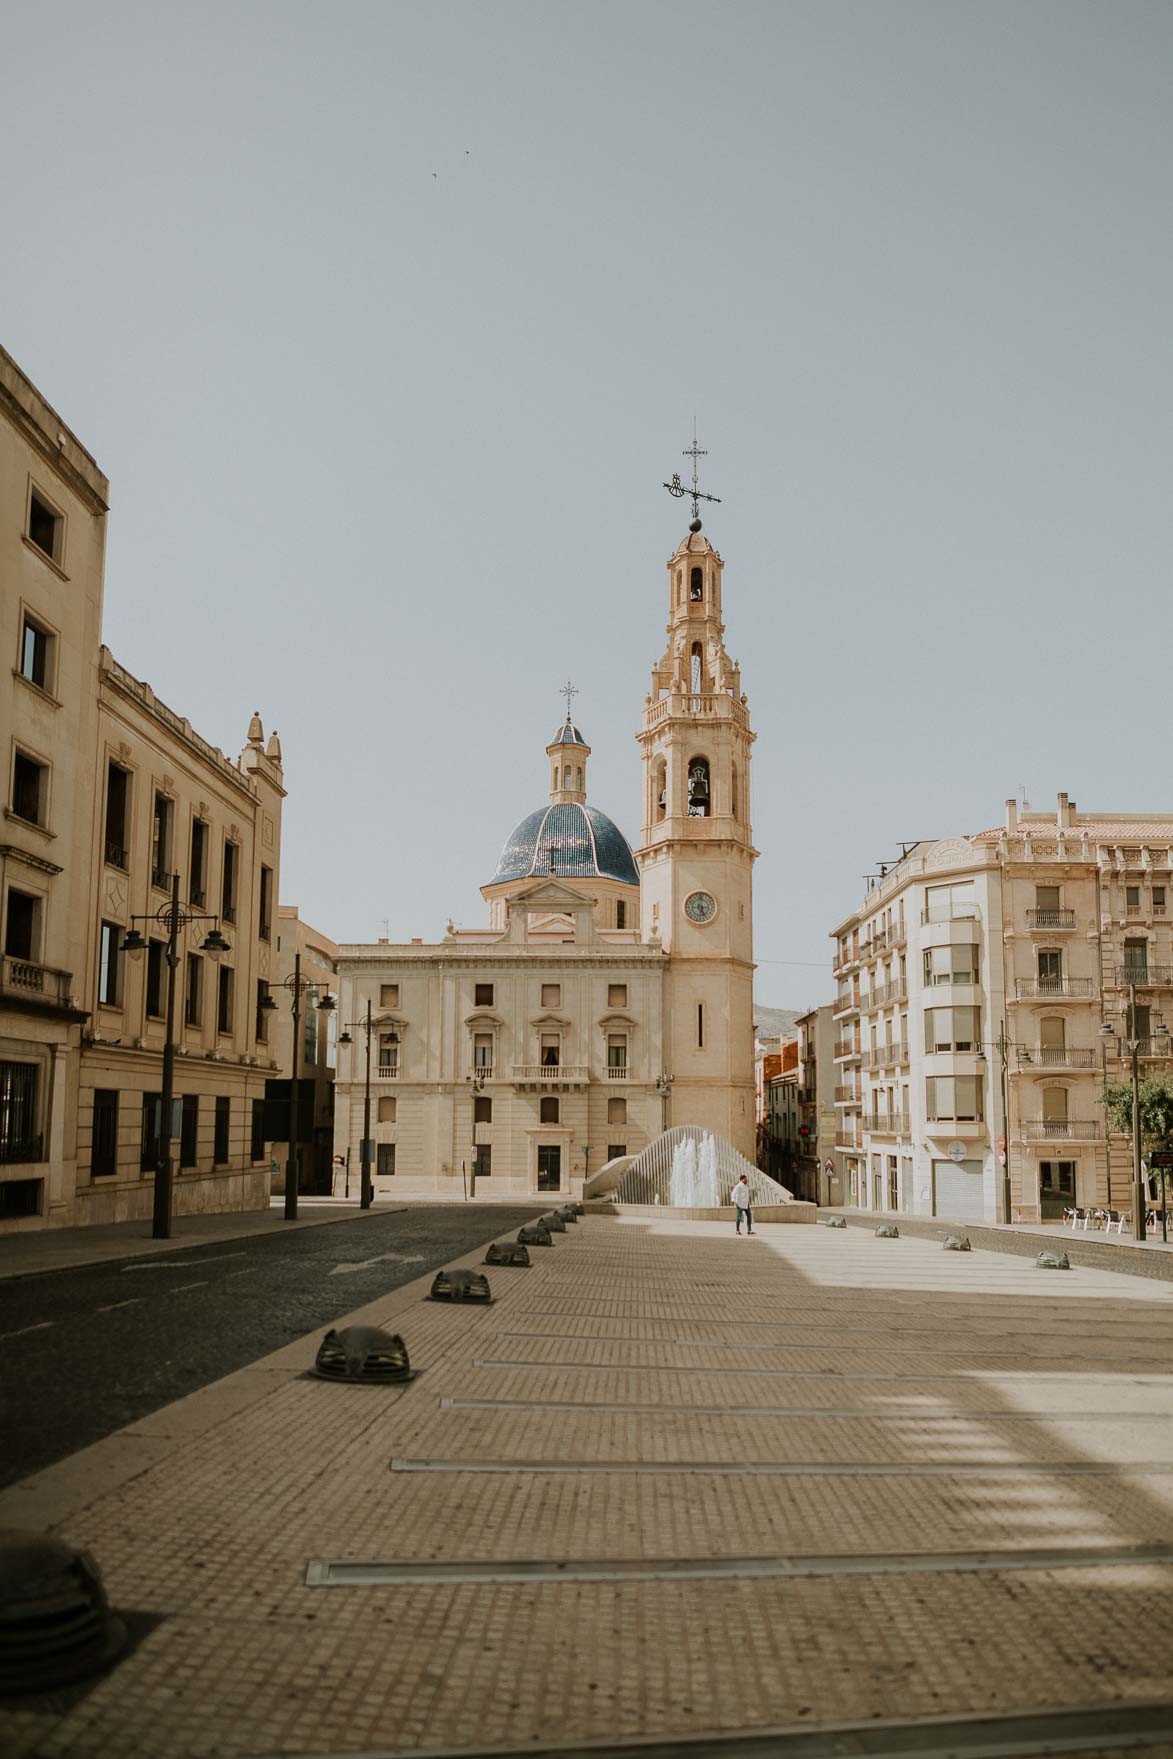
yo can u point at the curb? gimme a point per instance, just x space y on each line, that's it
1091 1254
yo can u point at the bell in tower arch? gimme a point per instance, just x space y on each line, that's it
698 788
696 585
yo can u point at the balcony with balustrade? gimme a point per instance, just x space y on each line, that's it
33 988
846 1050
535 1075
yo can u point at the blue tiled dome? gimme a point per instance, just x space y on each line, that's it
583 841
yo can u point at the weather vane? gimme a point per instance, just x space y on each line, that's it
568 690
677 488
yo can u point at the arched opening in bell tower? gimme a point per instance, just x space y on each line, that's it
659 792
700 796
696 669
696 585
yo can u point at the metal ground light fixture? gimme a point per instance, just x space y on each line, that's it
297 987
173 917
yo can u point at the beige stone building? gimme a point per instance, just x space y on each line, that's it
53 502
610 993
973 982
169 801
107 792
817 1175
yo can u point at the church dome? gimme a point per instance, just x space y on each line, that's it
567 734
569 840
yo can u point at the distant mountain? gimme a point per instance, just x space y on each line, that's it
775 1022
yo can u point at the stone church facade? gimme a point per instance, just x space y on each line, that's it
610 993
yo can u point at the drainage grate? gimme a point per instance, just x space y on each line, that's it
793 1469
341 1573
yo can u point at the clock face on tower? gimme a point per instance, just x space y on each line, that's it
700 907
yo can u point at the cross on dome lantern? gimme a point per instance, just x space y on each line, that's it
677 488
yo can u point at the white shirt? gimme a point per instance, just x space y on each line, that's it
741 1195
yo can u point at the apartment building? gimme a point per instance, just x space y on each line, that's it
169 802
973 984
108 793
53 501
817 1176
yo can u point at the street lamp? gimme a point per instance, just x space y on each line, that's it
1133 1041
297 986
366 1194
664 1089
1003 1047
173 917
478 1079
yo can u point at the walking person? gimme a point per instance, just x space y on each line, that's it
741 1204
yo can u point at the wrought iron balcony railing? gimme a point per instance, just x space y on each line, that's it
1032 988
1144 976
1050 918
1061 1130
1046 1056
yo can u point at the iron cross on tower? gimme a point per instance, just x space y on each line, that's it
568 690
677 488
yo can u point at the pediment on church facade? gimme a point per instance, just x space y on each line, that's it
388 1021
551 1021
553 895
484 1017
617 1018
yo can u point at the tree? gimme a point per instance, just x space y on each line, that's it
1156 1109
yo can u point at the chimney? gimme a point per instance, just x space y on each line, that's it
1063 814
1011 818
417 940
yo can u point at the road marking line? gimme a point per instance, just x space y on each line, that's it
366 1263
183 1286
41 1325
135 1301
168 1264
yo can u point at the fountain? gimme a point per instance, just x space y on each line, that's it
689 1168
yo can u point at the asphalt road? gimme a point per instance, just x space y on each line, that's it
87 1350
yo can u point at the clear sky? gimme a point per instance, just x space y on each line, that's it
387 321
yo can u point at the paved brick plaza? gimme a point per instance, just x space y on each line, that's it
834 1416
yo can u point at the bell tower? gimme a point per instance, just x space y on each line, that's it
696 853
